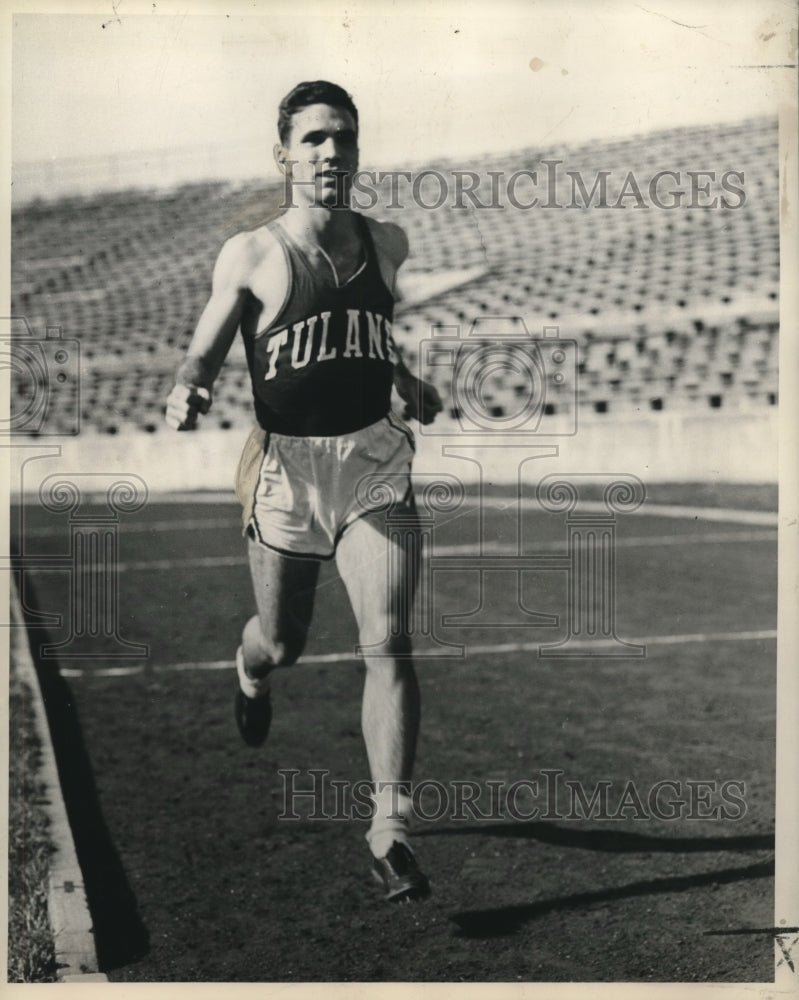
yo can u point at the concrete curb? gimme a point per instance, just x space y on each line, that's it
68 909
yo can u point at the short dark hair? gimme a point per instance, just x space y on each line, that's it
312 92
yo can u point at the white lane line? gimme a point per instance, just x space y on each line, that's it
467 549
622 543
765 518
204 497
500 503
759 518
141 528
505 647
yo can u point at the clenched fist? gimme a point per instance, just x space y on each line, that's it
183 405
422 401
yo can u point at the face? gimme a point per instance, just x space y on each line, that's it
321 155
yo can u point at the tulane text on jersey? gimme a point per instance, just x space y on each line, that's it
313 340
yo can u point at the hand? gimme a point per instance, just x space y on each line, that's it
422 401
183 405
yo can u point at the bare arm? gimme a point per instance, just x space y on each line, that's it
212 337
421 399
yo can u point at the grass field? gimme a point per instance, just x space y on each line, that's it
192 874
30 951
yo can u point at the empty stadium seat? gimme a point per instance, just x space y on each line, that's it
669 308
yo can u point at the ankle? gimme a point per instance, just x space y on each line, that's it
253 687
390 820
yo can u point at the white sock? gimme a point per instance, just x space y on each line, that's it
253 687
390 821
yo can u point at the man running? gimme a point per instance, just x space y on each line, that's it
312 293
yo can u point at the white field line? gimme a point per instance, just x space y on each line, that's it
755 518
140 528
764 518
495 649
527 503
466 550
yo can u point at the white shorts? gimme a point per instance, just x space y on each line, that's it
299 494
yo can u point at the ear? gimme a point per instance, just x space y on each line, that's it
280 154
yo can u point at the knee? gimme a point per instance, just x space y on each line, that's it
396 646
385 637
392 657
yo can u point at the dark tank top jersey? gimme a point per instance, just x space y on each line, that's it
324 366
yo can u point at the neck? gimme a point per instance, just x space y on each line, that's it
320 225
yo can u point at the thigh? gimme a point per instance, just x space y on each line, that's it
284 593
380 569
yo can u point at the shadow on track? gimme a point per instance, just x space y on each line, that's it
614 841
120 935
506 920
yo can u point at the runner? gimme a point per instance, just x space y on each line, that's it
312 293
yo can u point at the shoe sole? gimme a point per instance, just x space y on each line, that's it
256 740
411 893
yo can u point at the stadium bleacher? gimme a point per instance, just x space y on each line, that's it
670 308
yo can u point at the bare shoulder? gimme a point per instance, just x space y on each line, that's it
244 254
389 239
